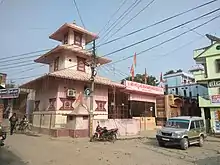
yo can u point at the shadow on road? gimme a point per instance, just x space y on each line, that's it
209 161
155 144
29 134
8 158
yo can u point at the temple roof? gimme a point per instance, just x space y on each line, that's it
58 35
52 54
74 75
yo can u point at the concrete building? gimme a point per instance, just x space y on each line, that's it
183 84
208 74
61 105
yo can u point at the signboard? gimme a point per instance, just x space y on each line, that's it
214 83
2 80
138 87
217 121
215 99
143 98
87 92
9 93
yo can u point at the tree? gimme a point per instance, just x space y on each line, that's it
151 80
169 72
179 70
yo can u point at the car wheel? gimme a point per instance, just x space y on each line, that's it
184 144
201 141
161 144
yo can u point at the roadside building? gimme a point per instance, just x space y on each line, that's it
208 74
183 86
61 104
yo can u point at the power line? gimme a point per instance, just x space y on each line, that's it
184 45
126 35
27 70
166 41
146 39
120 18
14 63
194 31
146 50
18 66
159 22
77 9
24 54
112 16
144 8
159 34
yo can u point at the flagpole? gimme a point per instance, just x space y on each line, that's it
145 76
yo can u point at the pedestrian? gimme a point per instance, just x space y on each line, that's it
13 120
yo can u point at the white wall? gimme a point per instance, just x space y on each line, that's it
125 126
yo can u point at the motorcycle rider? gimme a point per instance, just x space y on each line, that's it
13 120
23 121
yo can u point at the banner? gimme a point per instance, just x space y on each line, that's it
9 93
217 121
215 99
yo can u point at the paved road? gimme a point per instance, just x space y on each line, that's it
8 158
43 150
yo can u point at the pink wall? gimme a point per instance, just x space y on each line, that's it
44 95
101 94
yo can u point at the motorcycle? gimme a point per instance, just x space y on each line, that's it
103 134
2 136
23 126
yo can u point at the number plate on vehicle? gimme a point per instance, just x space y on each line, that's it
165 139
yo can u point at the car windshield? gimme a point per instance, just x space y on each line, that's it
177 123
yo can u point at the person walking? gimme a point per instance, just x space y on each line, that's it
13 120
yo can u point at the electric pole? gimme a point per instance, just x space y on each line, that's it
92 80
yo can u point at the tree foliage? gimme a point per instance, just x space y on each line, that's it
151 80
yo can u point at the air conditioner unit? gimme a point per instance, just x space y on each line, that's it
71 93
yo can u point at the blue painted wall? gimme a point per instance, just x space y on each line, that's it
174 81
177 87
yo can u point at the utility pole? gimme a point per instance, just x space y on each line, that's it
92 80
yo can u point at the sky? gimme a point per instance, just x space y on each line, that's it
25 26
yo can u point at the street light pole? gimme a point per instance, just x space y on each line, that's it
92 80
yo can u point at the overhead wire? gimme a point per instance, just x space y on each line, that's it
155 46
156 23
146 39
120 18
159 34
126 23
166 41
80 17
136 43
112 16
126 35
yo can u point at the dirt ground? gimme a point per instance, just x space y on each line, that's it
43 150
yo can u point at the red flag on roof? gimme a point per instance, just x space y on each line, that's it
132 72
135 59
